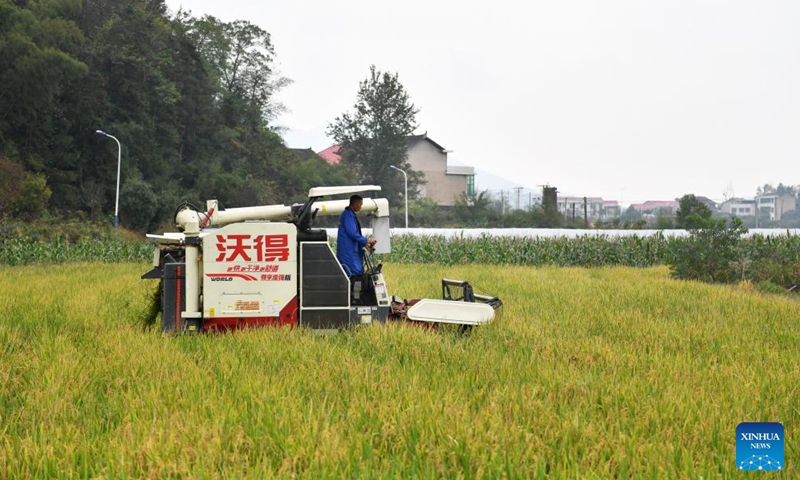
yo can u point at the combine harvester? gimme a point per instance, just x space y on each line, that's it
258 266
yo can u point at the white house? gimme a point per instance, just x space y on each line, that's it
741 207
775 205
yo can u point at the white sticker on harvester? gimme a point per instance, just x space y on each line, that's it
366 318
363 310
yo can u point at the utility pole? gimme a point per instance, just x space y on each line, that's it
518 189
585 215
757 209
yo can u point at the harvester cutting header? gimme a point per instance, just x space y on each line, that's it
267 265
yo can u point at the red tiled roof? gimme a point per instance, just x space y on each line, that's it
331 154
653 204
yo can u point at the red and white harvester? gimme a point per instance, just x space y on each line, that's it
267 265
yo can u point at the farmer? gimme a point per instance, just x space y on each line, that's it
349 241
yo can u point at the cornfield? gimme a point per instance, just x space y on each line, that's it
586 251
23 251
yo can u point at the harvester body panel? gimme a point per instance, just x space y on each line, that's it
249 270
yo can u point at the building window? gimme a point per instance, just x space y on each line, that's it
471 185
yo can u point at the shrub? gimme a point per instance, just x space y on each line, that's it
35 193
11 177
710 254
23 194
138 204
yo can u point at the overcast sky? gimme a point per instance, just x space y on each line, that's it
627 100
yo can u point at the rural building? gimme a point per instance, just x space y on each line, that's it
740 207
330 154
775 205
443 183
654 206
572 207
304 153
611 209
711 204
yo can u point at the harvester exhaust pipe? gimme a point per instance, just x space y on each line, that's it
192 231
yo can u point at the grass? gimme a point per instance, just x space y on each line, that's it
588 373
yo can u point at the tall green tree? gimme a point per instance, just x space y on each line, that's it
786 190
240 56
254 166
374 135
692 213
39 42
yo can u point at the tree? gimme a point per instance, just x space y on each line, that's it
38 66
92 194
12 175
631 214
728 192
711 253
240 55
546 215
138 204
665 219
476 211
765 190
425 213
34 196
190 100
692 213
786 190
373 136
309 170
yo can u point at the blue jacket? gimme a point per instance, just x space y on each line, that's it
350 242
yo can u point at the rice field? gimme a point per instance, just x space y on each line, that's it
608 372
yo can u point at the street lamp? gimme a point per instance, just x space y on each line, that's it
406 194
119 164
